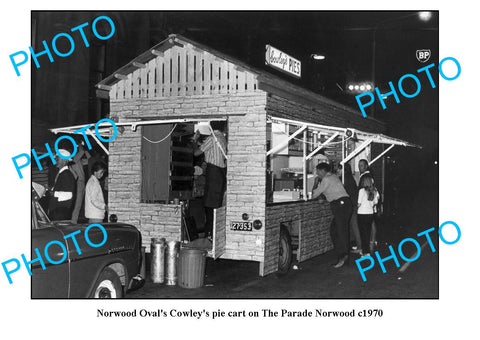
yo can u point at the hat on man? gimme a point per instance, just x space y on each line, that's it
64 153
204 128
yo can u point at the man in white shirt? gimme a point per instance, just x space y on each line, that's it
341 207
214 147
61 202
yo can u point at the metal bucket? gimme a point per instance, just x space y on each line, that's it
191 268
173 249
157 267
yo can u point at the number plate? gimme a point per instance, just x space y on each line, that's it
243 226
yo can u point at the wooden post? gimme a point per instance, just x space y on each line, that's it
128 86
143 82
191 72
167 67
223 77
198 73
136 79
241 80
158 71
151 78
232 74
182 69
207 82
120 89
175 70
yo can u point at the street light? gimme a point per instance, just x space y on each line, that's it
318 56
425 16
323 56
359 87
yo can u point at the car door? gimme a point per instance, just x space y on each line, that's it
86 267
51 282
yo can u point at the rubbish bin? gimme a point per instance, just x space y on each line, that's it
157 266
192 267
172 260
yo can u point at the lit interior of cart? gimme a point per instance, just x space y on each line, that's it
296 147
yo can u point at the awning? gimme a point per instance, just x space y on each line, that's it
105 129
366 138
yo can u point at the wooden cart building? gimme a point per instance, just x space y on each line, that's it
274 130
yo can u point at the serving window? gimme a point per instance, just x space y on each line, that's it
293 155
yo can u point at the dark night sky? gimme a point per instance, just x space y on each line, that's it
63 91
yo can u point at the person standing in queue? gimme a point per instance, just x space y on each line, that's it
341 207
352 190
367 200
62 199
214 147
77 170
364 169
95 206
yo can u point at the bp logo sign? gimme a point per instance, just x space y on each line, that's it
423 55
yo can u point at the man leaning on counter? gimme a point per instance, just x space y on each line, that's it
333 190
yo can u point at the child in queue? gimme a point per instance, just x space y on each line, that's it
367 200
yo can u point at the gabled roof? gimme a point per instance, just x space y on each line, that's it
266 81
153 52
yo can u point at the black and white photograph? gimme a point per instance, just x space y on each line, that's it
266 169
215 135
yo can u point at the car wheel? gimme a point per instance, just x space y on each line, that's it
285 250
108 285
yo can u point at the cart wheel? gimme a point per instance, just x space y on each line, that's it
285 251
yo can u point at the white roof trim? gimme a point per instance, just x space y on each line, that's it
105 127
374 137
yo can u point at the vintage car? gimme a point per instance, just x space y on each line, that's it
108 271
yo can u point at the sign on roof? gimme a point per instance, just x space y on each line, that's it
282 61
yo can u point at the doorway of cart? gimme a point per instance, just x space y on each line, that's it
172 173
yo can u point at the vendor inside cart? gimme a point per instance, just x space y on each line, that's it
294 154
213 146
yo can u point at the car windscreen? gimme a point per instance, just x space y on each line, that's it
42 218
